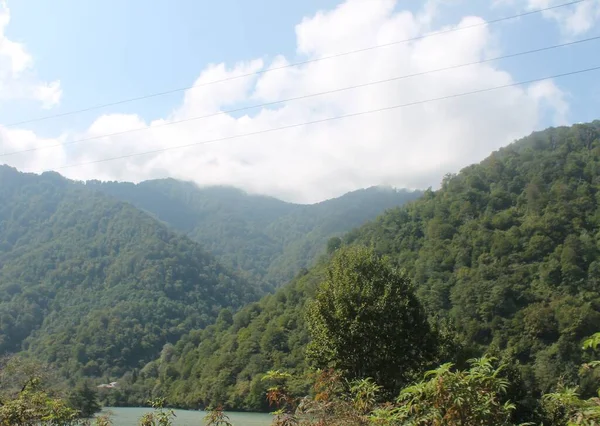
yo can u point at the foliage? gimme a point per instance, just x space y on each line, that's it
27 399
508 250
268 239
33 407
95 286
223 363
565 407
366 322
216 417
472 397
333 400
159 417
84 399
100 420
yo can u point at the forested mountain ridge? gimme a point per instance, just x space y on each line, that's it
508 250
92 284
266 238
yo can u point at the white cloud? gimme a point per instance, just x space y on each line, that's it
406 147
572 20
16 78
12 140
548 94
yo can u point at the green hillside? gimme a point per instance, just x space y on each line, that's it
265 238
507 249
94 285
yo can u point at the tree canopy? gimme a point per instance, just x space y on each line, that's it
268 239
94 285
366 322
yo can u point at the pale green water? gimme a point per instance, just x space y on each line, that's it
129 416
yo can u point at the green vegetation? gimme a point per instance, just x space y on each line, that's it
93 285
365 321
446 396
159 417
268 239
500 266
509 251
84 399
505 256
224 363
217 417
29 396
475 397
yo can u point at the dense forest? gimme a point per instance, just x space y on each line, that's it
475 302
506 253
266 239
95 286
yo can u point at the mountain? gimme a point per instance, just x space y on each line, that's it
95 286
266 238
508 250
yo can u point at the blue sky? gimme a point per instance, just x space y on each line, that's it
108 50
111 50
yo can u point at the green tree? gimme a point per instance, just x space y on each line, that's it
333 244
85 400
365 321
35 407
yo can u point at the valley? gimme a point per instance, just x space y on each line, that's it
104 283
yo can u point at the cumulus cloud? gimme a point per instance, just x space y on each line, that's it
404 147
17 80
572 20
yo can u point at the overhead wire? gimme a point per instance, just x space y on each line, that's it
295 64
340 117
297 98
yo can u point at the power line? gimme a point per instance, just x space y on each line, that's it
356 114
295 64
139 129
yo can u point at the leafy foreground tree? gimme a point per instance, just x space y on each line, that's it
366 321
31 395
34 407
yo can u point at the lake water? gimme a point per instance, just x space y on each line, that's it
129 416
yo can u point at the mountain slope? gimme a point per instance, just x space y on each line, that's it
306 230
266 238
93 284
509 249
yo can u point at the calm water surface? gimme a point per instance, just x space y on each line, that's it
129 416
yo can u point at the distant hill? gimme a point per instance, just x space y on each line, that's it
508 250
94 285
266 238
